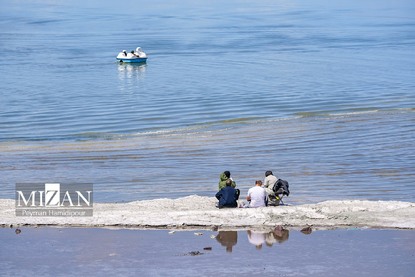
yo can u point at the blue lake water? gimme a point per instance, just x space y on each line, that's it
321 93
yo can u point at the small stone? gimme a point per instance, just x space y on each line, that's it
195 253
18 231
307 230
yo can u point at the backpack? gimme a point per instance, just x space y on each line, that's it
281 184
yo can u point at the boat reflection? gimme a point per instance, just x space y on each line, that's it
131 70
229 239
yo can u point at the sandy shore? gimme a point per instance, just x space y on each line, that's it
200 212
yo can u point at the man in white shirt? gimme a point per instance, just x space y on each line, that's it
257 196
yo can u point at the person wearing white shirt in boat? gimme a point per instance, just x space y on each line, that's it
257 195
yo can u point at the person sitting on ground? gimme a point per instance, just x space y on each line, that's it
257 196
227 196
269 182
224 176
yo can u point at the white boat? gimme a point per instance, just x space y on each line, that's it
135 56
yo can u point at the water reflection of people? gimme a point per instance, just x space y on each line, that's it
227 239
279 235
256 238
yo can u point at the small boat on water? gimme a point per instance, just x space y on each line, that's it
135 56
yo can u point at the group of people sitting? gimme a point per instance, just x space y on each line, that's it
132 54
260 195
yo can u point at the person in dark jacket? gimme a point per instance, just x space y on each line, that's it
228 196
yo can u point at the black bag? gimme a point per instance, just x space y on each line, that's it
281 184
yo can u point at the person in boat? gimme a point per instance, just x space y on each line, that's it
124 52
228 196
135 54
224 176
257 196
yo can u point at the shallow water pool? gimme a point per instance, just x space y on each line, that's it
129 252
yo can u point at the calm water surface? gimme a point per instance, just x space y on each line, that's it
321 93
89 251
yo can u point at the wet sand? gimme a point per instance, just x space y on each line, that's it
50 251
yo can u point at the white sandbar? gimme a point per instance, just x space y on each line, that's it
200 212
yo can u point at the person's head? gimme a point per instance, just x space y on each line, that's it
227 174
258 183
228 182
267 173
132 51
